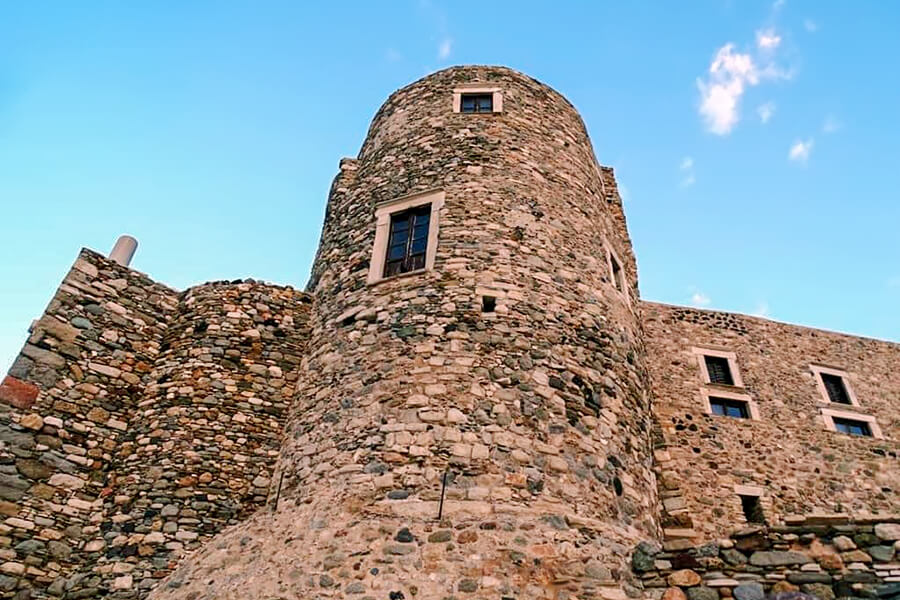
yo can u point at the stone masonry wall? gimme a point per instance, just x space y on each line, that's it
800 465
203 442
826 556
138 422
535 415
66 405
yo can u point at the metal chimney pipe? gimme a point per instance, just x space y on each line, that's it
123 251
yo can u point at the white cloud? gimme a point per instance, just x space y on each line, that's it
765 112
700 299
729 75
767 39
799 152
444 48
762 309
687 168
831 124
810 25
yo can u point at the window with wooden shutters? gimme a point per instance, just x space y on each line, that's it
851 427
408 241
476 103
834 386
718 369
724 407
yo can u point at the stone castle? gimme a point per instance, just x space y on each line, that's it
470 401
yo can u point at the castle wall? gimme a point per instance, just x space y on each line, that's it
66 407
824 556
800 466
200 451
137 423
535 415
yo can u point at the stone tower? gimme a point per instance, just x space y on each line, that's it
478 426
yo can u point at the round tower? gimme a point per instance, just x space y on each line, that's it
471 418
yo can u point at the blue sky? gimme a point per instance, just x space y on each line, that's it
756 144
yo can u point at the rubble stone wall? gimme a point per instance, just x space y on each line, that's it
66 407
138 422
800 466
532 420
826 556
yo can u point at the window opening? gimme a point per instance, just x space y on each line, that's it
729 408
408 241
476 103
719 370
752 508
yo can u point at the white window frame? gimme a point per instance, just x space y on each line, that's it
732 364
383 212
752 407
478 88
828 415
817 371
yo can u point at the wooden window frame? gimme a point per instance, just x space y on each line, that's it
731 357
752 407
818 370
477 105
479 89
410 261
829 414
383 213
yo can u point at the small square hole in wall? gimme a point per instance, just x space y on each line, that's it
752 508
488 304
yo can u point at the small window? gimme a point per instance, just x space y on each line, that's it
724 407
752 508
851 427
406 235
477 103
837 391
408 241
718 370
618 277
488 304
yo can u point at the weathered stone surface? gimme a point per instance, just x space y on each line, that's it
777 558
674 593
820 591
888 531
749 591
702 593
18 393
684 578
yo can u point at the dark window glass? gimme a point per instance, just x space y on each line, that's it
718 369
852 427
729 408
837 391
477 103
408 241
